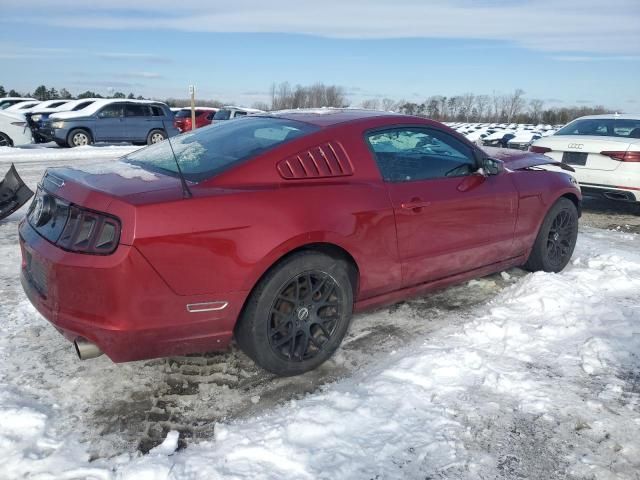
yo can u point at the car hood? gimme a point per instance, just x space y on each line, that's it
519 160
71 115
44 110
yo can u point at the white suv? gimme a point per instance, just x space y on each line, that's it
604 150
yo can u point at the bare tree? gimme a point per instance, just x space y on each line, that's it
317 95
482 106
371 104
496 102
514 104
466 105
535 108
453 106
433 109
388 105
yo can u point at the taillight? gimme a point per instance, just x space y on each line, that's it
72 227
622 156
87 231
536 149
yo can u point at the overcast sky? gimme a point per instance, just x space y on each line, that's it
562 51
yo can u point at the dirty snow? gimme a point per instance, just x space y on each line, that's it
512 376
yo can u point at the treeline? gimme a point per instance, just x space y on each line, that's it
469 107
43 93
284 96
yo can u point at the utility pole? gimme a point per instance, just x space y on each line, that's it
192 92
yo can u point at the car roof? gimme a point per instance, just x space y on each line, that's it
617 116
242 109
98 104
325 117
215 109
16 98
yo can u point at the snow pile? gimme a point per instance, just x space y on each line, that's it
543 382
40 154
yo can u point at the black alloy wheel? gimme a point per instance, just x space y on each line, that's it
298 313
304 316
560 240
556 238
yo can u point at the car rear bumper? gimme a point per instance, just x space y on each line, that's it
120 303
53 134
611 192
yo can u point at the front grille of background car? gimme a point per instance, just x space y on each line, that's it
326 160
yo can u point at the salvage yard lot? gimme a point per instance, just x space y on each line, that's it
510 376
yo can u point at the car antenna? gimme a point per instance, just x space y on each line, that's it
186 193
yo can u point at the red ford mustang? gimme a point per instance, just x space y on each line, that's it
274 228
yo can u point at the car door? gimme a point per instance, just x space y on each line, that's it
449 217
137 122
109 123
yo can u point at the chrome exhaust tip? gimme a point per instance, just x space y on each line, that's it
85 349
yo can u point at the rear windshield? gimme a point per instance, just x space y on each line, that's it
187 113
222 114
603 127
208 151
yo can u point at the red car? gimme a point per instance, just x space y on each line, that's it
182 118
274 228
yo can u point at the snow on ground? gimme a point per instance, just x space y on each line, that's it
542 381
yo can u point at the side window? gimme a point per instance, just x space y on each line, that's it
111 111
157 111
412 153
81 105
136 110
239 114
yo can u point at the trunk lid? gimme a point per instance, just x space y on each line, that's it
116 188
583 153
114 179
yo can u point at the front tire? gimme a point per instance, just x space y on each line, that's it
5 140
79 137
556 239
156 136
298 314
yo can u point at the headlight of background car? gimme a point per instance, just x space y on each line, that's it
58 124
36 118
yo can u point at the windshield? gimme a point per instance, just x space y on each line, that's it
606 127
222 114
208 151
183 114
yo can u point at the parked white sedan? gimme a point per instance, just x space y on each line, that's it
14 129
604 150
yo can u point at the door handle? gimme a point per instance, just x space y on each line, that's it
415 205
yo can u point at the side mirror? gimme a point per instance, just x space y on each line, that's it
491 166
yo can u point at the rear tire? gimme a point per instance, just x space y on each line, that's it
156 136
298 314
79 137
556 238
5 140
